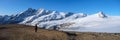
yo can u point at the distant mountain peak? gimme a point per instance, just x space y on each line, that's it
101 14
30 9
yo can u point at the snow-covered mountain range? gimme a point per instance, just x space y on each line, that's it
65 21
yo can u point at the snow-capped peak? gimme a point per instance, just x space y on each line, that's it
101 15
27 12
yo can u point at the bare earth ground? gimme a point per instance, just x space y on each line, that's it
23 32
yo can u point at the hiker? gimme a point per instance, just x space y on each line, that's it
36 28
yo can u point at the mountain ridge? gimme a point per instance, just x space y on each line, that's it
65 21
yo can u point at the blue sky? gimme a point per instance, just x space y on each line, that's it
110 7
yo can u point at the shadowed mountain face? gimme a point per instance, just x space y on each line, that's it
23 32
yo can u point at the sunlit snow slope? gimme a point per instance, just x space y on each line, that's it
96 23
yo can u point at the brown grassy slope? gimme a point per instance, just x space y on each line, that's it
97 36
22 32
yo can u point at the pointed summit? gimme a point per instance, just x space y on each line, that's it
101 15
30 10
